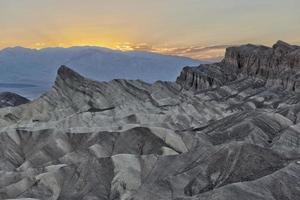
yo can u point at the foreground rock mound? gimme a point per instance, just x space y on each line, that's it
225 131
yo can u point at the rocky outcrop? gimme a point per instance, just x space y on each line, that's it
11 99
278 67
218 133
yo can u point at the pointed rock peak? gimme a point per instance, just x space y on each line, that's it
65 72
282 45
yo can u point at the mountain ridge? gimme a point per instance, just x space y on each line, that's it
38 67
11 99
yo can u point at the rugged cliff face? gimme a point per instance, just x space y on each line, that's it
278 67
221 132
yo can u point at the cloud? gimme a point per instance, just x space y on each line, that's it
213 53
210 53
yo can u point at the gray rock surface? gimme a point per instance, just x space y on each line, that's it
220 132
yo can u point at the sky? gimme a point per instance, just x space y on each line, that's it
200 29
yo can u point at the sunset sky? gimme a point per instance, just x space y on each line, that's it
200 29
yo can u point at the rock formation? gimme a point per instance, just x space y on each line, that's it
225 131
278 66
11 99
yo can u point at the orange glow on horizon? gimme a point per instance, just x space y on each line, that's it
209 54
182 29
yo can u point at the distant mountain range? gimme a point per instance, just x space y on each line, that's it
31 72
